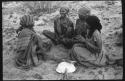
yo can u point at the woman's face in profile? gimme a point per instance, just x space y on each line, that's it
83 17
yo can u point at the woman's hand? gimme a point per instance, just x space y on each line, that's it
80 38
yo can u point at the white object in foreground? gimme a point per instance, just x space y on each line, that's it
69 67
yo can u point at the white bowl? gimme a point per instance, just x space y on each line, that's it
65 67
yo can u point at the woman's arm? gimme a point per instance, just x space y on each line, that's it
93 48
97 47
76 28
55 28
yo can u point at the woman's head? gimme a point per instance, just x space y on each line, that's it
27 21
83 12
64 11
94 23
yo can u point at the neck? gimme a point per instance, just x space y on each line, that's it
90 33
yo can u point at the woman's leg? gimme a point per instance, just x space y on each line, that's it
51 36
83 56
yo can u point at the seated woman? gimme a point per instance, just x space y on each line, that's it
81 25
63 28
29 44
89 51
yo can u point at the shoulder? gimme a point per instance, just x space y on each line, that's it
25 32
56 19
69 20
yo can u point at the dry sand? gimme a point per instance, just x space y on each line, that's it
111 18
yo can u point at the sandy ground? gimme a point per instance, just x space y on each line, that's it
111 19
